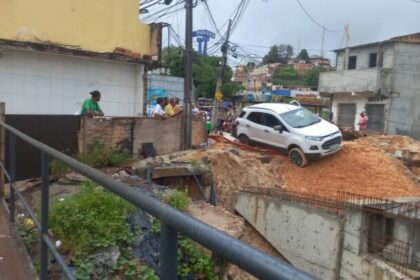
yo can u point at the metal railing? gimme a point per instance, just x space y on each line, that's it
224 246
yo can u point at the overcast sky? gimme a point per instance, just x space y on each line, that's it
283 21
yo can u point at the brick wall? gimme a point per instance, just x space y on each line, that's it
131 133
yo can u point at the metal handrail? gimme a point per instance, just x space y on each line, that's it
252 260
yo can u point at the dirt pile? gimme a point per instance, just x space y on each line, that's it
358 168
234 170
402 147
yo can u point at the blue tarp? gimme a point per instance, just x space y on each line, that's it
154 93
281 92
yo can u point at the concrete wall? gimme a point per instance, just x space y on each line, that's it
358 81
310 239
363 57
94 25
40 83
355 263
130 133
404 116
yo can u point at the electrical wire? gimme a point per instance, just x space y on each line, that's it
314 21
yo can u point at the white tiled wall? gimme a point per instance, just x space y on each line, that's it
38 83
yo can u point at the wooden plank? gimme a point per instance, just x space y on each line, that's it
14 260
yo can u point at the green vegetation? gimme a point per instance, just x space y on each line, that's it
100 155
179 200
287 76
278 54
58 169
130 268
303 55
311 77
191 257
205 71
90 220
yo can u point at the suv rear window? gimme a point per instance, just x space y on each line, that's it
242 114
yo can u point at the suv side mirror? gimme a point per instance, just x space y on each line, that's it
278 128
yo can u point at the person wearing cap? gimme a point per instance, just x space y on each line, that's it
158 111
90 107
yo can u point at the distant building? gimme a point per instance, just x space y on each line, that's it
53 53
381 79
317 60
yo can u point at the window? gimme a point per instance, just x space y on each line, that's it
299 118
269 120
255 117
242 114
372 59
352 62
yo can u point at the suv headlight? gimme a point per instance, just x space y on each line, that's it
314 138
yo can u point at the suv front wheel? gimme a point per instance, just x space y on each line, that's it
297 157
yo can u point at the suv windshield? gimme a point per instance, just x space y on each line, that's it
300 118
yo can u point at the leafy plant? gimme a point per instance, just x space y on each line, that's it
131 268
100 155
179 200
28 233
58 169
92 219
193 259
84 268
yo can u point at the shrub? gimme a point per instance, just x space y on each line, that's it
179 200
58 169
90 220
100 155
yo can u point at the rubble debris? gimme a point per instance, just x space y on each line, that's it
104 262
232 173
349 133
217 217
402 147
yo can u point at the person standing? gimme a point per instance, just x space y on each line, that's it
177 107
90 107
363 122
170 108
158 111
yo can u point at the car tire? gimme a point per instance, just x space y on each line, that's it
297 157
244 139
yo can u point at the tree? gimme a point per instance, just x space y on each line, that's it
311 77
278 54
206 71
303 55
173 58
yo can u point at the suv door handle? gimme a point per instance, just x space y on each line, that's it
248 125
266 130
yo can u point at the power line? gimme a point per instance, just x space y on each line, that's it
314 21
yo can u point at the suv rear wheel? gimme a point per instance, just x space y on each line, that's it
244 139
297 157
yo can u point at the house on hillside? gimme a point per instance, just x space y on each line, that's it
317 60
53 53
381 79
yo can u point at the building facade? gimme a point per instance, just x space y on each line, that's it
53 53
381 79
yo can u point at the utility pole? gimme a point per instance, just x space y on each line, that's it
187 127
225 48
323 42
346 52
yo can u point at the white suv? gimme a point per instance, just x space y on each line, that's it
294 129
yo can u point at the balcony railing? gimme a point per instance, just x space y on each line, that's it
173 221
